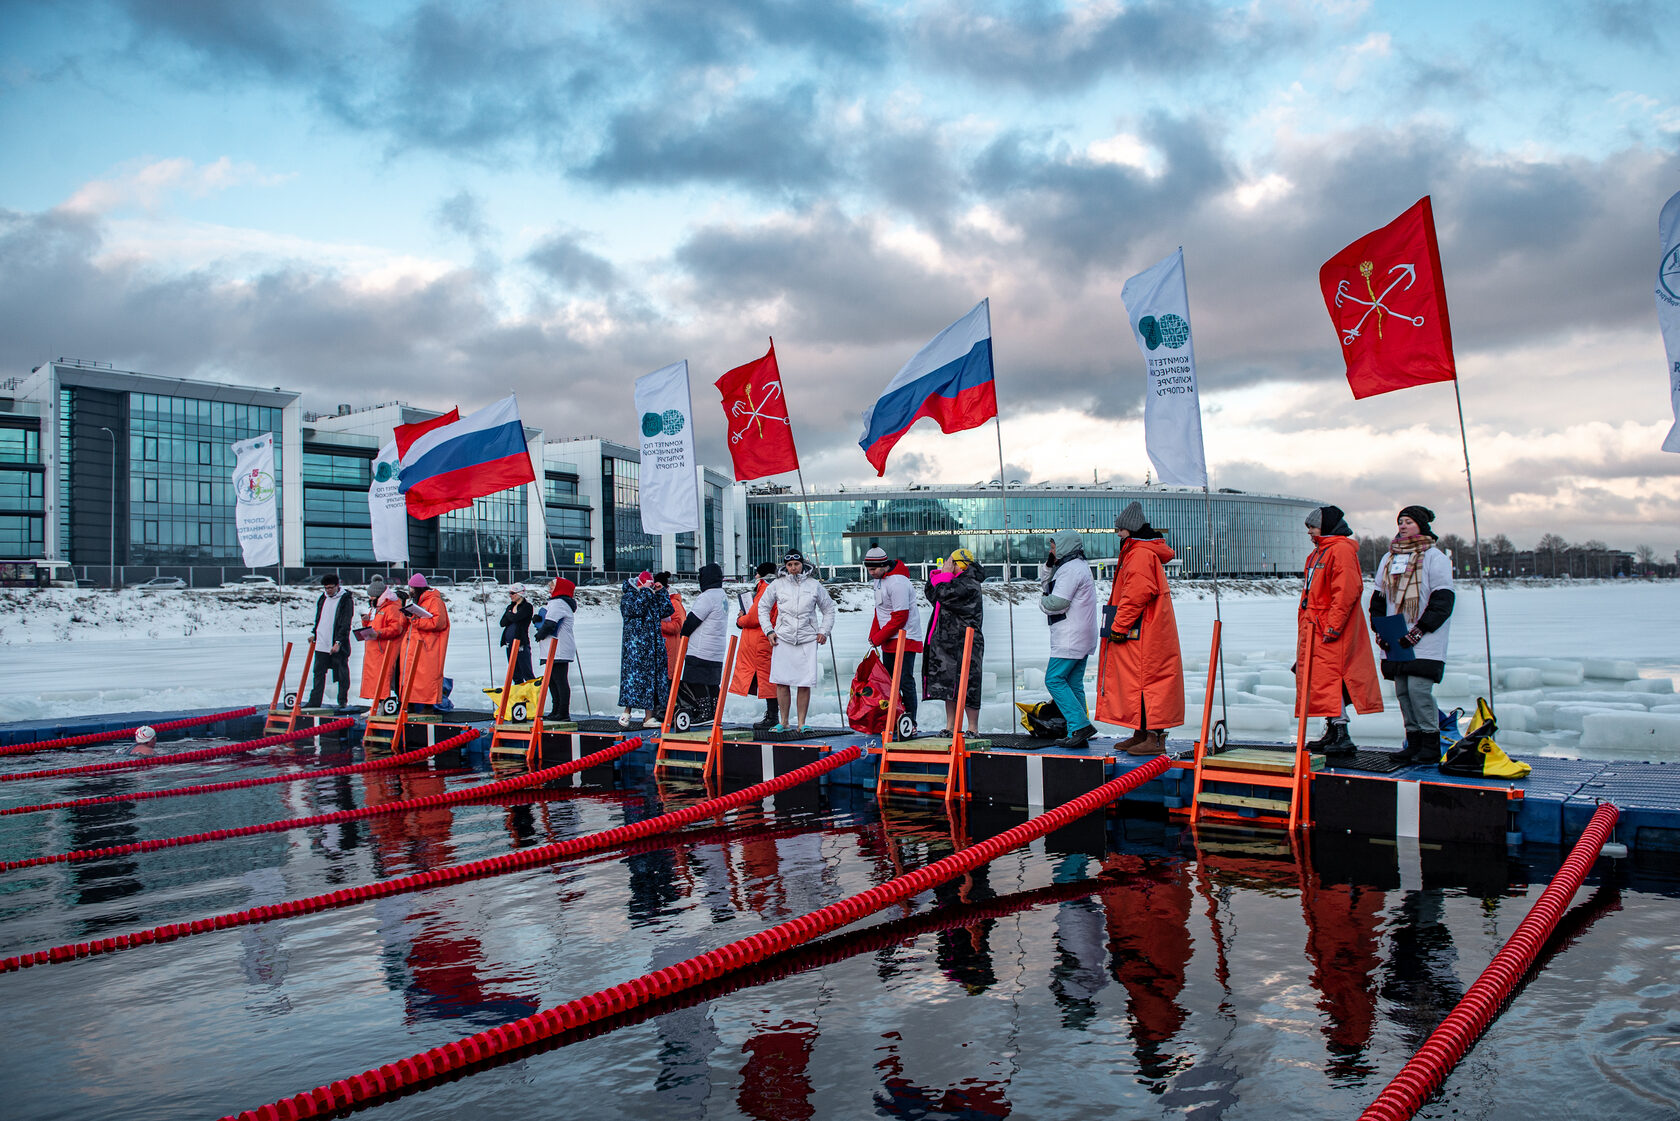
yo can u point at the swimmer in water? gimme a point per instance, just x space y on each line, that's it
145 741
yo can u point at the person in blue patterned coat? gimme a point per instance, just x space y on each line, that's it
643 679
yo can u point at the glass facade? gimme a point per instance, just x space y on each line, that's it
567 518
22 494
336 523
625 547
180 466
500 521
1253 534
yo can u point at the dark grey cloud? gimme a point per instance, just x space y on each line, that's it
1051 47
462 213
562 258
831 278
772 143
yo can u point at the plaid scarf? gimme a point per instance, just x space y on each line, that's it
1404 588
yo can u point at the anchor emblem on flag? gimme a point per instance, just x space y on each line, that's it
754 412
1376 304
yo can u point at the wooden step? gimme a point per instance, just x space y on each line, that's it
704 735
1258 759
913 776
691 764
1281 805
938 745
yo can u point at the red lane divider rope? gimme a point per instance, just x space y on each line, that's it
437 877
430 801
1449 1042
620 998
183 756
120 733
418 755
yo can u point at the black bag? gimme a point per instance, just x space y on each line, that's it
1043 720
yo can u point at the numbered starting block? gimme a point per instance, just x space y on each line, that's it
524 699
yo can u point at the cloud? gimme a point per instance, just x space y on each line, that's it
462 213
562 258
149 185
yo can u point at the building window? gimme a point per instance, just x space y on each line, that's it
203 454
150 446
149 490
204 533
150 534
204 494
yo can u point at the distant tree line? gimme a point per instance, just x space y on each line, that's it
1551 556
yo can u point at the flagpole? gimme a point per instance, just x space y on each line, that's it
1213 570
1008 598
489 658
1476 536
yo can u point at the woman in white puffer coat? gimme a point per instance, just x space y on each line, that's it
1414 580
804 620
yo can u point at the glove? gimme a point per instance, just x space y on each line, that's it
1331 635
1118 636
1411 638
1382 644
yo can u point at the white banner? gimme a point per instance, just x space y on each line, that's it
670 494
256 508
1668 308
388 509
1158 304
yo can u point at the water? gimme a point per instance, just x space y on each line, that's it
1144 971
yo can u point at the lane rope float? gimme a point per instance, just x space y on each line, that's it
1451 1039
419 755
184 756
123 733
520 859
428 802
438 1061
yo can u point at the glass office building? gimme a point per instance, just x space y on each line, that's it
23 483
568 515
337 471
1251 534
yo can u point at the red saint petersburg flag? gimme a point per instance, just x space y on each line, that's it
756 417
1389 306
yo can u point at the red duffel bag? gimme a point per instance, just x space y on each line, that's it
866 709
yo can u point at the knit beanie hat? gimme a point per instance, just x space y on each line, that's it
793 555
877 555
1422 515
766 569
1328 521
1131 519
417 581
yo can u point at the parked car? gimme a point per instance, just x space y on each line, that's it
480 581
251 580
162 584
85 583
439 581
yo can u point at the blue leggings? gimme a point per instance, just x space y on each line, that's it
1065 678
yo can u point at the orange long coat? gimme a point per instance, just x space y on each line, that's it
671 628
752 655
379 653
1331 609
1145 676
428 642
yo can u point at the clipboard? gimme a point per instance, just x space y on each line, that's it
415 611
1109 611
365 634
1392 628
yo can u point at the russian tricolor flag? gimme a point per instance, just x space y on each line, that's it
446 466
949 379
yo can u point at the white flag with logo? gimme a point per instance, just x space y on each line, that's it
387 508
256 509
1668 308
670 491
1158 305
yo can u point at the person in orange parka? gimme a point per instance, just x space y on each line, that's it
427 644
1332 626
671 626
379 653
752 656
1140 679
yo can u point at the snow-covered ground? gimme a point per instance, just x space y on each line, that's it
1585 669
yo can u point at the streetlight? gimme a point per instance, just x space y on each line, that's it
113 436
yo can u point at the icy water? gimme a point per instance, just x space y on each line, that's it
1127 970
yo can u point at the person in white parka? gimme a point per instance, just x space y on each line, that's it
804 620
1414 580
707 630
1070 601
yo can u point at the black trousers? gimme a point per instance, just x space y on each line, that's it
560 691
521 664
339 664
906 682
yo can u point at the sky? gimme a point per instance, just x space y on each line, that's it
437 203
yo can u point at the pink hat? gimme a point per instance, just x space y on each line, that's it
417 581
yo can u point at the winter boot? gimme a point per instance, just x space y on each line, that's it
772 716
1153 743
1078 739
1421 747
1137 737
1327 738
1340 744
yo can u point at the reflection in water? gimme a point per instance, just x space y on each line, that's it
776 1079
1421 976
1148 915
968 1100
